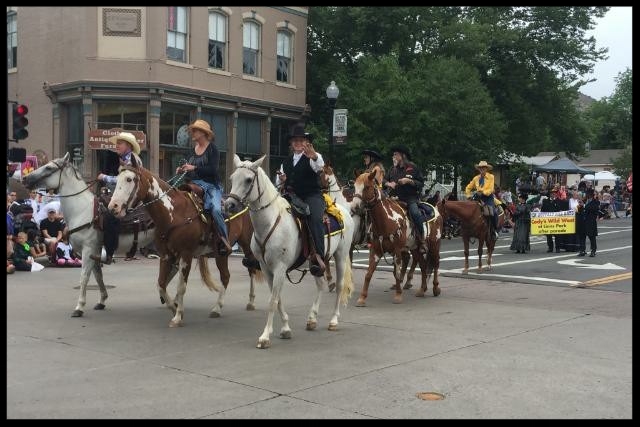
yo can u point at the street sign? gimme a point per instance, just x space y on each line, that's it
340 125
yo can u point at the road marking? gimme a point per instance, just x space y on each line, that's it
604 280
573 263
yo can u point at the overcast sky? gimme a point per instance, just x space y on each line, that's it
612 31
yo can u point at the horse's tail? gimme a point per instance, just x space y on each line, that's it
203 265
347 282
258 276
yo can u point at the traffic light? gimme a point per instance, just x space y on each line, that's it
20 121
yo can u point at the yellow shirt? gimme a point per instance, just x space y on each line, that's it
486 188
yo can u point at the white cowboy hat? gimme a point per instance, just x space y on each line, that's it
129 138
484 164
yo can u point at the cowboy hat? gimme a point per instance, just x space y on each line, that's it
484 164
202 126
128 138
372 153
298 132
401 149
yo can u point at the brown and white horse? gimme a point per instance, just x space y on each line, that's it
391 233
472 224
181 235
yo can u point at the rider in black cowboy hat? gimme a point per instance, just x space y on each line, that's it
301 178
373 161
405 181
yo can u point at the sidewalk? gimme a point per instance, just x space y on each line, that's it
493 349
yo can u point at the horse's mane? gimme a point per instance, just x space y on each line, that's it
270 190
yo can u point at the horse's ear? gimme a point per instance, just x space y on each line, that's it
372 175
257 163
356 172
135 161
66 157
236 161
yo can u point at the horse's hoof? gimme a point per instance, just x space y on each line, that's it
99 306
407 286
285 335
465 271
436 292
332 286
173 324
333 326
311 325
161 300
397 299
420 293
214 315
360 303
264 344
250 307
77 313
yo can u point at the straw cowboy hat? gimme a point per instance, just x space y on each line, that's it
372 153
298 131
203 126
401 149
128 138
484 164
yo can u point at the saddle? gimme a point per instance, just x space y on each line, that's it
133 221
427 211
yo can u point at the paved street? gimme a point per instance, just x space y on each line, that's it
492 349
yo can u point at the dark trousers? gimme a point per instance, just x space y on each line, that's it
317 207
582 241
111 234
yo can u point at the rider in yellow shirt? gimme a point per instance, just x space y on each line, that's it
483 185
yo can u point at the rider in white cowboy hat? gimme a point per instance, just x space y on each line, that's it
483 184
127 147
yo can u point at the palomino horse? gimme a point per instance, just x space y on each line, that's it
329 183
80 213
180 233
391 233
277 243
472 224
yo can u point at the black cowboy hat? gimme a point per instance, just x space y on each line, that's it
373 154
401 149
298 131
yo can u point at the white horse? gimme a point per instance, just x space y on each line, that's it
276 248
77 203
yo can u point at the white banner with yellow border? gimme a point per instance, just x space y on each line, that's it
563 222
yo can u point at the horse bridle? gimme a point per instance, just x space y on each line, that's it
134 193
60 168
243 200
368 204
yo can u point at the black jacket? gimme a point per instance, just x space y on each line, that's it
301 178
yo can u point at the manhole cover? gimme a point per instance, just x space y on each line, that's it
430 395
95 287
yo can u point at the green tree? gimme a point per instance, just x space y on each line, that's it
622 165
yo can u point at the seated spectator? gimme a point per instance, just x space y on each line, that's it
65 257
38 250
22 259
10 267
51 228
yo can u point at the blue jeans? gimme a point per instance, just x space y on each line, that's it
213 203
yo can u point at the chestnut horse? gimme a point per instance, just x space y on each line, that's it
180 235
361 221
472 224
391 233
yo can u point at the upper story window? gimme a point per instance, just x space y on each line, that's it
217 40
12 40
251 48
177 33
283 72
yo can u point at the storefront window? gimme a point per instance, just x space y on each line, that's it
75 138
175 145
124 116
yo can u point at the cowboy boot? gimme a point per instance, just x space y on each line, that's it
316 265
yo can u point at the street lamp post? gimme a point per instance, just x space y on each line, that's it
332 97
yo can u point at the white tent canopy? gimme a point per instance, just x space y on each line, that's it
601 175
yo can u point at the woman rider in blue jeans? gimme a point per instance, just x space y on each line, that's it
202 169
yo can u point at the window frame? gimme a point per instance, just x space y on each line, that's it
12 58
175 33
289 67
250 50
215 42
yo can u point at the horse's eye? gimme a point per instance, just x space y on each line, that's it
129 179
248 180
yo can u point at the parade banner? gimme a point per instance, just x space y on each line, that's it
563 222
